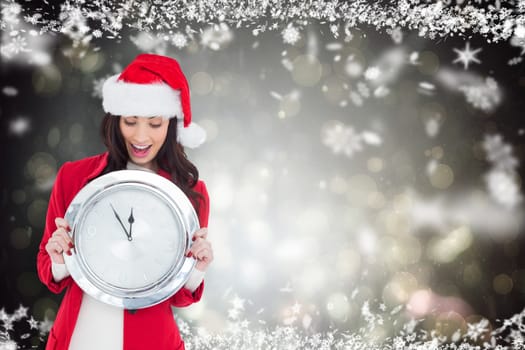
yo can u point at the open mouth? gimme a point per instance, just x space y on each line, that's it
140 150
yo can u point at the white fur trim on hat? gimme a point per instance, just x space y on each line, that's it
140 100
191 136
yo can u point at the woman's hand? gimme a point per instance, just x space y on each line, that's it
201 249
60 242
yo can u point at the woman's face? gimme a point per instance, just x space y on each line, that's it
144 137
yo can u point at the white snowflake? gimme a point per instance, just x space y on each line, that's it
363 89
148 42
217 36
503 188
19 126
372 73
179 40
397 35
477 330
98 84
518 42
499 153
466 56
10 12
291 35
485 96
10 91
342 139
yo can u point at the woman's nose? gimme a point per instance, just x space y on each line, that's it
141 134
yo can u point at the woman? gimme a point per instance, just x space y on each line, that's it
148 122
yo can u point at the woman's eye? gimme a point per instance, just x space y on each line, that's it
129 123
155 125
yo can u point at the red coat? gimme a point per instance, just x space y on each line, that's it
149 328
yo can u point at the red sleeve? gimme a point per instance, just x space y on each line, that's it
184 297
56 208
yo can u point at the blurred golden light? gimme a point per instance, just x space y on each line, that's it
375 164
338 185
45 308
333 89
290 105
354 64
201 83
442 176
47 80
259 173
76 133
447 249
400 251
36 213
348 264
91 62
211 127
20 238
518 277
338 307
53 137
223 85
28 284
306 70
41 167
18 196
396 222
437 152
399 289
472 274
428 62
311 280
502 284
451 325
376 200
312 221
359 188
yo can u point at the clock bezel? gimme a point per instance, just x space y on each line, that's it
156 291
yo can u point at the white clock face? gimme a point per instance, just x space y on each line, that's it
130 238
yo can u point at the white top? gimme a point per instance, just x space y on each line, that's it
101 326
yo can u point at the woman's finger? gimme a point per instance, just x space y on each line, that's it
203 252
60 244
201 233
61 232
62 223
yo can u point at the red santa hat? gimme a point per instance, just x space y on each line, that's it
153 86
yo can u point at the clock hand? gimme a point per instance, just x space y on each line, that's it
131 220
120 221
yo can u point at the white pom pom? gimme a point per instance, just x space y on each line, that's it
191 136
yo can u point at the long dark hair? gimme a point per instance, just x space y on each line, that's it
171 157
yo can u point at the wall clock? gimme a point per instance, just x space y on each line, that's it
131 229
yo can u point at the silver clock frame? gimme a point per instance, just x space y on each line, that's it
178 274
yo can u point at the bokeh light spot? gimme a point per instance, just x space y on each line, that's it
20 238
502 284
306 70
442 176
28 284
201 83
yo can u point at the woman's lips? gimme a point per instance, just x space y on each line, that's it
140 151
